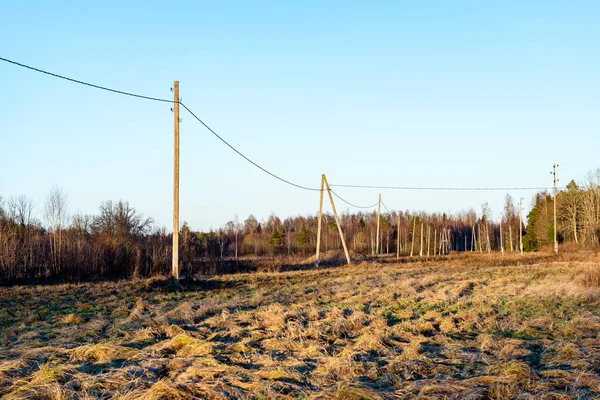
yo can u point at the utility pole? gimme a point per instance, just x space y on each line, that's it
521 224
479 235
428 238
378 214
319 220
421 249
412 243
555 239
175 260
398 239
501 242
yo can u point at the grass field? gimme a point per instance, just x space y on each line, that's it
466 327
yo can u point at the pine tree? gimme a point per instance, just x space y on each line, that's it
303 235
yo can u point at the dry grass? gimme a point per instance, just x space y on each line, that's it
461 327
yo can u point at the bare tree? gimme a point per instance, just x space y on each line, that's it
23 206
221 240
120 220
56 218
234 228
81 223
570 210
511 217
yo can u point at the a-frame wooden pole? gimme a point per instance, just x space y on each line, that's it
337 220
175 252
319 220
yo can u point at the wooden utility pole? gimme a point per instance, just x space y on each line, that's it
398 239
521 224
501 242
412 243
319 220
428 239
337 221
487 235
442 238
421 249
175 252
555 238
378 217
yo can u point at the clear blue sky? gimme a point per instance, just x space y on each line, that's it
421 93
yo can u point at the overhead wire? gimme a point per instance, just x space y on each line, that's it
383 204
243 156
159 100
131 94
86 83
351 204
579 163
439 188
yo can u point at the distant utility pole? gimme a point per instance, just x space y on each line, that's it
378 217
175 260
428 239
421 249
398 239
501 242
521 224
412 242
555 239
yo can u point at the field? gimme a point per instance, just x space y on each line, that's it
464 327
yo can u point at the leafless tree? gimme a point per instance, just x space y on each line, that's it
56 218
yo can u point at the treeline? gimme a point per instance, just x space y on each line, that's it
120 242
578 215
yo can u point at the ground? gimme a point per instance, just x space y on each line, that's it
465 327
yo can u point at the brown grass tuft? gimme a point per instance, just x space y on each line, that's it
70 319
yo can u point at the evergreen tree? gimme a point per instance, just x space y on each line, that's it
303 236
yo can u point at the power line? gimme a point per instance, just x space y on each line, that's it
153 99
577 164
350 204
248 159
383 204
85 83
441 188
243 156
